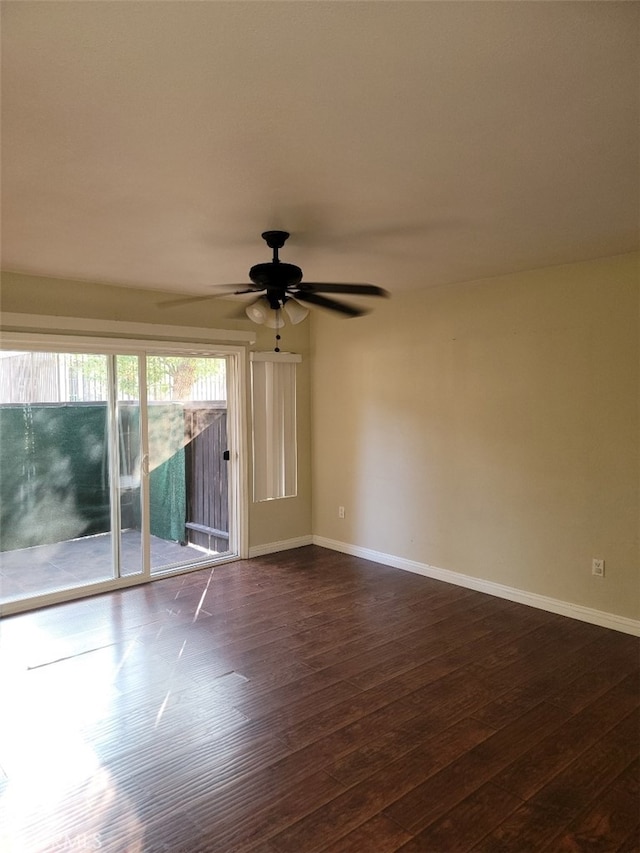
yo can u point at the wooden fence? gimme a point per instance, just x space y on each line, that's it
207 482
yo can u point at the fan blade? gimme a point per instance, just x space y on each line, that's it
174 303
323 302
325 287
224 290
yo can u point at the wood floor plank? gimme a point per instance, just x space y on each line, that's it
544 686
553 754
538 661
456 647
261 696
343 713
280 710
527 828
355 744
363 801
465 824
258 813
428 801
409 739
608 821
359 643
589 685
380 834
456 695
631 844
572 789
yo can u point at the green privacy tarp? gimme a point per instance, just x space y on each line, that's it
54 470
167 490
53 474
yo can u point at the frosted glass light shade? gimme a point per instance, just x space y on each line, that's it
295 312
258 311
261 312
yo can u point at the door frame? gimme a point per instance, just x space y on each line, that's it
237 383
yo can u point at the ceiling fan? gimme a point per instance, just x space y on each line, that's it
280 288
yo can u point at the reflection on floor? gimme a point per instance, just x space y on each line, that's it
77 562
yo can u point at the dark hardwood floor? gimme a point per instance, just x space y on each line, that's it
311 701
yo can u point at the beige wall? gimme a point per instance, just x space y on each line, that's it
272 521
489 428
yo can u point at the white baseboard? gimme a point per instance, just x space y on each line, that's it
532 599
283 545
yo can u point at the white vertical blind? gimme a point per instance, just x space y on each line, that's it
273 383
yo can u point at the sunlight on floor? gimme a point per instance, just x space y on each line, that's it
55 779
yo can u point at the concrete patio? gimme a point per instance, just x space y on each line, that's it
44 569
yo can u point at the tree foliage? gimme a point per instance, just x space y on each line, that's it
169 377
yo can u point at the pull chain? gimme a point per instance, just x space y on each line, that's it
278 326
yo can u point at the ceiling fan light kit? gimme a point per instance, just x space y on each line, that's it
261 312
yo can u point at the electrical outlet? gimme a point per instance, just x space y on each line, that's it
340 512
597 567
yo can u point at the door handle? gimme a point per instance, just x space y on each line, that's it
226 455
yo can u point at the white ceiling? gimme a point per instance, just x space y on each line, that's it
409 144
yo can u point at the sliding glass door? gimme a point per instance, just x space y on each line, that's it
101 484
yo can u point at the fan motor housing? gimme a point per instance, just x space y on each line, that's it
275 275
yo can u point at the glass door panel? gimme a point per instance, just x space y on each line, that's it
55 496
188 489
